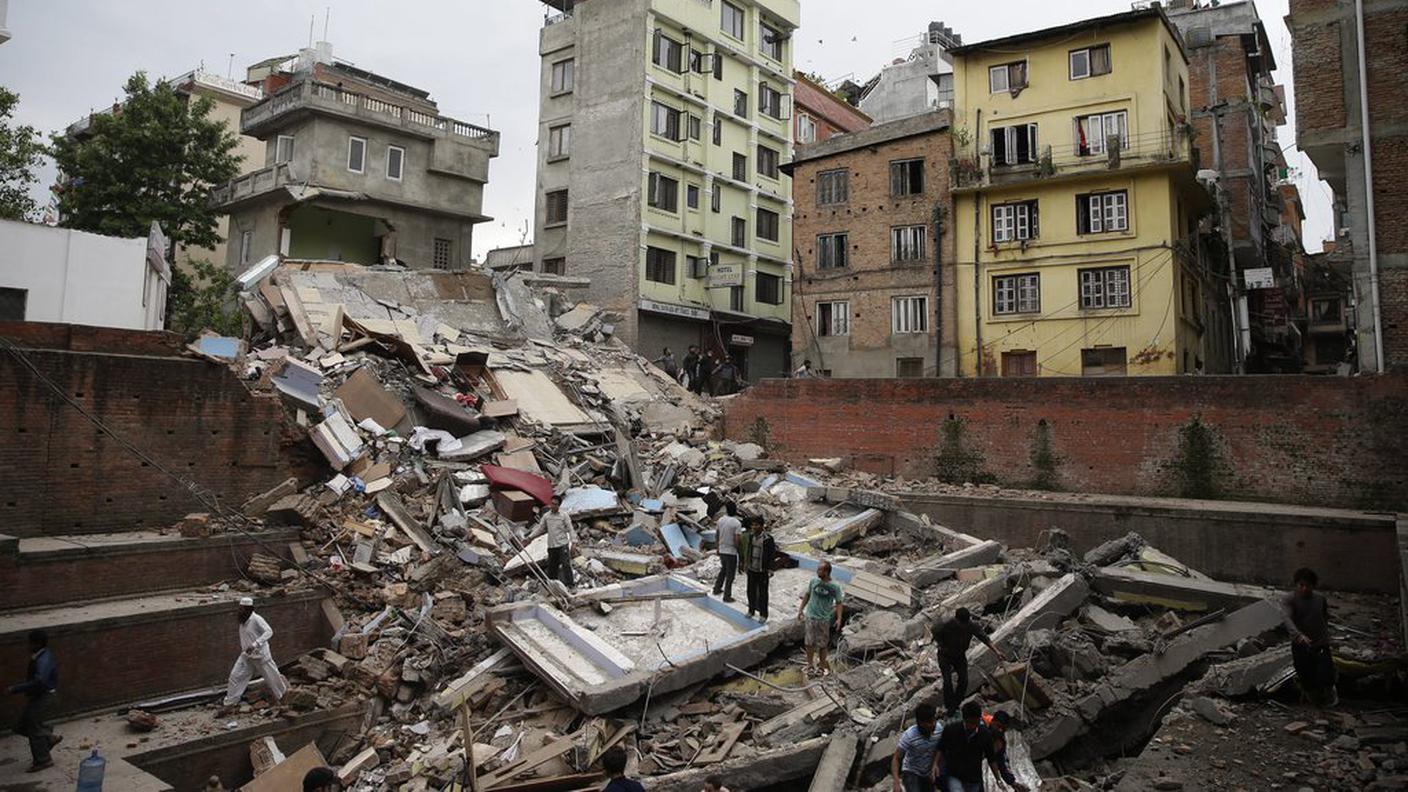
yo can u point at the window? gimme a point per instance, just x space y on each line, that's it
664 121
1014 145
907 177
560 141
733 21
767 162
909 315
696 267
718 58
735 298
833 187
1101 213
1007 77
696 61
806 128
444 253
740 167
555 266
246 246
357 154
768 289
832 250
1014 222
1325 310
769 101
695 125
283 149
1016 294
12 304
1103 362
1107 287
833 318
1093 132
907 243
716 198
718 131
1019 364
1182 94
739 228
667 53
1090 62
659 265
556 208
395 162
770 41
664 193
740 103
909 368
691 196
767 224
564 76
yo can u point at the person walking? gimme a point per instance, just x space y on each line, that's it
255 656
728 527
758 550
561 538
821 609
668 364
40 683
1307 619
914 766
963 746
951 640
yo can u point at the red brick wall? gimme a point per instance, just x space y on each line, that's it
1319 80
833 116
1321 441
62 476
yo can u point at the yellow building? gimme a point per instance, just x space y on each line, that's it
1077 209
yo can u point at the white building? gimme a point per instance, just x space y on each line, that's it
4 30
59 275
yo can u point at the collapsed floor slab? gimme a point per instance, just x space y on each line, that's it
1174 591
753 772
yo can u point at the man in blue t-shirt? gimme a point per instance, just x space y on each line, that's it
613 763
914 765
821 610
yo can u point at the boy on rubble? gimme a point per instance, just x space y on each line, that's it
1307 618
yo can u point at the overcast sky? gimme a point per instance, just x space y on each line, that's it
477 58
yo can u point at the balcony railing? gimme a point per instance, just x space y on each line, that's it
1153 148
308 93
251 184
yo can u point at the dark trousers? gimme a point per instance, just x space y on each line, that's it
32 725
728 569
1315 668
955 675
914 782
758 593
560 565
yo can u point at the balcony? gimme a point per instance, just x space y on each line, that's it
312 96
250 185
1162 149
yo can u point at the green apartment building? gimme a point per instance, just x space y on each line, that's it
662 128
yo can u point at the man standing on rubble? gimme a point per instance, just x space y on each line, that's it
254 657
758 550
668 364
915 762
951 640
726 377
728 527
561 537
1307 618
821 609
38 689
963 747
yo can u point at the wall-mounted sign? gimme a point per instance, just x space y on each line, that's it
670 309
1259 278
730 274
741 340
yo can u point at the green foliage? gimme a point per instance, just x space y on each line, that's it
158 158
1045 461
760 433
1200 465
955 462
202 302
20 153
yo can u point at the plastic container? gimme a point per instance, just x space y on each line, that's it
90 773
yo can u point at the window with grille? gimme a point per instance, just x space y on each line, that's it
739 228
559 141
806 128
691 196
695 126
1014 145
246 246
732 22
1106 287
740 167
909 368
659 265
1014 222
556 207
909 315
833 187
718 130
1093 132
832 251
770 41
833 318
663 193
1007 77
907 243
443 253
767 162
769 101
667 53
907 177
716 198
555 266
1090 62
740 103
1102 213
1103 362
664 121
767 224
1016 294
564 76
768 289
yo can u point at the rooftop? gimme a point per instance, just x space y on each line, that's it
934 121
1122 18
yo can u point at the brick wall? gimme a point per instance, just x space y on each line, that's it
63 476
1319 81
1320 441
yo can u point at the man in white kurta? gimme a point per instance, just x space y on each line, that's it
255 657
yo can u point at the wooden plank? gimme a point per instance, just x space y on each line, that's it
454 694
797 714
391 503
306 331
542 756
289 773
725 742
501 408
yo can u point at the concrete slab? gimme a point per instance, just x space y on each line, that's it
935 568
1174 591
1045 610
1245 675
759 771
835 767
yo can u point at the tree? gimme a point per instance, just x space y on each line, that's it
157 158
201 300
20 153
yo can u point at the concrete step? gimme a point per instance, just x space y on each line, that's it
54 570
115 651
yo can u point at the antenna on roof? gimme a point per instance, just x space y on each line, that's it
311 19
230 70
327 13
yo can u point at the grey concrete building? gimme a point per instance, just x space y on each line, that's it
358 168
921 83
4 29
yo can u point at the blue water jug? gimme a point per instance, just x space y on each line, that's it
90 773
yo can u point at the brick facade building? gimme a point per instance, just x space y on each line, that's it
1329 113
820 114
868 296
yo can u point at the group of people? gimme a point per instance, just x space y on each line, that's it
702 372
